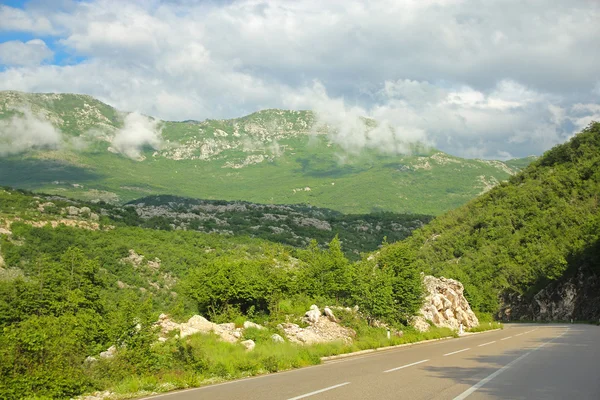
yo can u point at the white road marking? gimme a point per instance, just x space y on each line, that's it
318 391
506 338
520 334
488 378
485 344
459 351
405 366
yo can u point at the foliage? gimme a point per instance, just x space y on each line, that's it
523 234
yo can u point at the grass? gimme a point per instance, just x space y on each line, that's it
204 359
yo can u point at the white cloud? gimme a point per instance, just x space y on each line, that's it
14 19
25 131
138 132
470 77
28 53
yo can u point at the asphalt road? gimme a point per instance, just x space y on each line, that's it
520 362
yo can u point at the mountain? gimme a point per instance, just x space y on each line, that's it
77 146
529 248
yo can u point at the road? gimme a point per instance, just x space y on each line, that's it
520 362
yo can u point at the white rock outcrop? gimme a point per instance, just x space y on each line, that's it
313 315
198 324
250 324
319 330
248 344
445 305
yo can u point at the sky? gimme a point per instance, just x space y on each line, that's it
480 79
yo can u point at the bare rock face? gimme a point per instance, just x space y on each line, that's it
320 330
445 305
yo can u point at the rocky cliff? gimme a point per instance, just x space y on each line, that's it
576 297
445 305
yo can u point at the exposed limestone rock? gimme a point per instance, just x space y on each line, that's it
134 258
575 297
277 338
329 314
321 331
199 324
445 305
312 315
248 344
72 210
229 326
109 353
249 324
420 324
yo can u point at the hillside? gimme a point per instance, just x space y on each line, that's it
529 246
83 296
77 146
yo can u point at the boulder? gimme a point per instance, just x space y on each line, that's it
248 344
72 210
250 324
322 331
445 304
329 314
110 352
313 315
277 338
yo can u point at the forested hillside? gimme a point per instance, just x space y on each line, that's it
540 227
76 280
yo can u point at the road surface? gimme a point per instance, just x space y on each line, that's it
520 362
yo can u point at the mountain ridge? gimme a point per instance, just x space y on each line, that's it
270 156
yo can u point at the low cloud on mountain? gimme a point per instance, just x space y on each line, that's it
25 131
138 132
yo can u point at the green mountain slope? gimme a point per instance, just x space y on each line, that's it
541 227
272 156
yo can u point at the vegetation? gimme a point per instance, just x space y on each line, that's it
70 292
539 227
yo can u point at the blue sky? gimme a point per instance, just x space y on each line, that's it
497 79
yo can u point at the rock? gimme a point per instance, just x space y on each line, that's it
229 326
94 217
109 353
90 360
72 210
574 296
313 314
196 324
250 324
277 338
445 305
85 211
199 324
248 344
322 331
329 314
420 324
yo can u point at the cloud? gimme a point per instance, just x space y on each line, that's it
473 78
28 53
25 131
15 19
138 132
